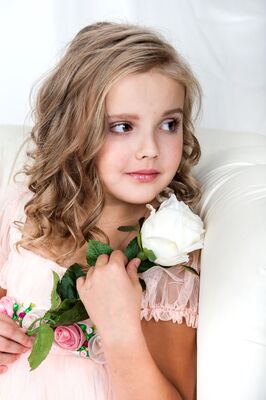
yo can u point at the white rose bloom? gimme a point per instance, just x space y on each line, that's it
172 232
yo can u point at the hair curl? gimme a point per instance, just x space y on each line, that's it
70 127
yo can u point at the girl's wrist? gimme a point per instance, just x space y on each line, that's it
123 340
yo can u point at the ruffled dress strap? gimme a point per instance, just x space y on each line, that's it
172 293
11 209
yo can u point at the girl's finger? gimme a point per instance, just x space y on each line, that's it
80 282
131 268
102 260
117 256
8 346
8 358
10 330
3 369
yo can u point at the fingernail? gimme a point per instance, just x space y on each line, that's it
137 262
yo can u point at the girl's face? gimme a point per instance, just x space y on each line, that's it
144 140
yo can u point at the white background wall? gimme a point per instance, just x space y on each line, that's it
224 41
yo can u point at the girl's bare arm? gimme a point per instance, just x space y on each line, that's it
158 364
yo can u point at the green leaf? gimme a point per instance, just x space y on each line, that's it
144 265
132 249
141 220
31 330
94 249
55 298
67 287
141 256
143 284
149 254
41 346
191 270
128 228
69 312
139 240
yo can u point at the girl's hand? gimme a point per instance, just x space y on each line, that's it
13 342
111 295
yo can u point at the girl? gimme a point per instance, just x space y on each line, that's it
113 132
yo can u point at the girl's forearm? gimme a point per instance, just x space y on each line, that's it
135 375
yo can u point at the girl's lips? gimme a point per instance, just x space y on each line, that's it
144 171
143 177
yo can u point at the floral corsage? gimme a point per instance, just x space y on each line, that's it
165 238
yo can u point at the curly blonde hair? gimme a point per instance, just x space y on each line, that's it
70 128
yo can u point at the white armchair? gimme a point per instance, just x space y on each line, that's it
232 309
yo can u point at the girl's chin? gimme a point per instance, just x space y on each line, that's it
141 199
135 194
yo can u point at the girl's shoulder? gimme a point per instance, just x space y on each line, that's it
12 196
12 204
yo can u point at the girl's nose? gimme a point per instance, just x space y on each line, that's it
147 147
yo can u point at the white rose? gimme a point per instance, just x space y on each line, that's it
31 316
172 232
95 349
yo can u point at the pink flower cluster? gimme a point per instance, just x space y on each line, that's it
67 337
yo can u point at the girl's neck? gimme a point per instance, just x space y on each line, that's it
114 216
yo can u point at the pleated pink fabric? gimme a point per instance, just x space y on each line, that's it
171 294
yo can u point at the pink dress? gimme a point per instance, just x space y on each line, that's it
171 294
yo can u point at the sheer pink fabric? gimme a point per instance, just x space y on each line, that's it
171 294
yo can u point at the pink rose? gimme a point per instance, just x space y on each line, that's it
7 305
69 337
95 350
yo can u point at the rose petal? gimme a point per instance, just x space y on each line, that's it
95 350
69 337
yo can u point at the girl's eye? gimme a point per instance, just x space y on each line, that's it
171 125
120 127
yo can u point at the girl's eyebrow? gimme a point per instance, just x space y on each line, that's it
134 116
